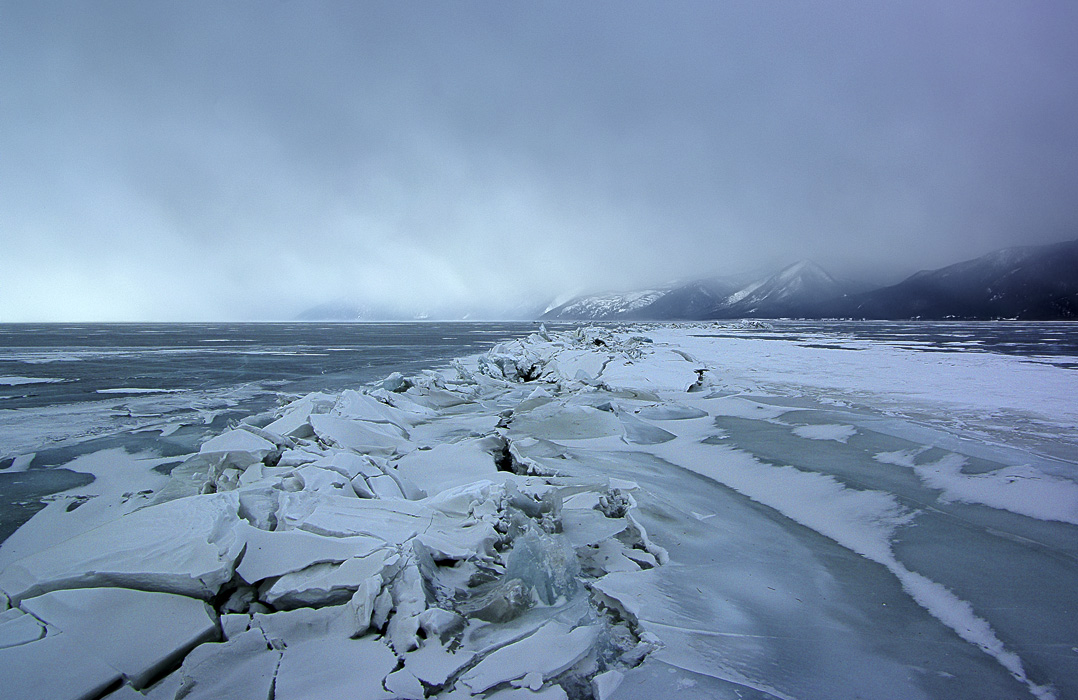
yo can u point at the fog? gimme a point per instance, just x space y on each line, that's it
193 161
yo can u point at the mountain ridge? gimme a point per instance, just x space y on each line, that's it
1024 282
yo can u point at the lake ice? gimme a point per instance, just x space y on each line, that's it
689 511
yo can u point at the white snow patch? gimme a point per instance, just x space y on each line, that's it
1020 489
19 381
838 433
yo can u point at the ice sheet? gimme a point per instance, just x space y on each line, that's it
640 512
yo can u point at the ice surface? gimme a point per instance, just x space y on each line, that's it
134 632
55 668
551 649
697 512
269 554
329 668
187 546
838 433
1022 489
122 483
323 584
378 438
239 447
16 627
243 668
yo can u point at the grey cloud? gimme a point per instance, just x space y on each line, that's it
248 160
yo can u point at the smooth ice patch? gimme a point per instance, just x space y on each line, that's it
862 521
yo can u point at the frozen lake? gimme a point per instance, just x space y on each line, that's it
70 389
882 510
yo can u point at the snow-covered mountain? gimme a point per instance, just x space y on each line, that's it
786 293
599 307
790 292
1033 282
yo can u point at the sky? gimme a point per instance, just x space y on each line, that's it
177 161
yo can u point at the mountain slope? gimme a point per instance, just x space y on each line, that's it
792 291
785 293
1027 283
604 307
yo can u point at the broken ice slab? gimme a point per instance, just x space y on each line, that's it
278 553
137 633
294 419
671 411
360 436
552 649
405 686
639 432
56 668
337 516
187 546
296 457
238 447
384 486
348 464
449 539
125 692
664 371
330 668
433 664
405 403
16 627
324 584
589 526
578 365
234 624
437 399
450 464
317 479
356 406
609 556
243 668
560 421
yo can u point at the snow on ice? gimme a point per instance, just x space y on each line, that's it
569 515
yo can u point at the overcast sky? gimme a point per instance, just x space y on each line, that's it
206 160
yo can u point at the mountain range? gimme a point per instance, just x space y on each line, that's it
1026 283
